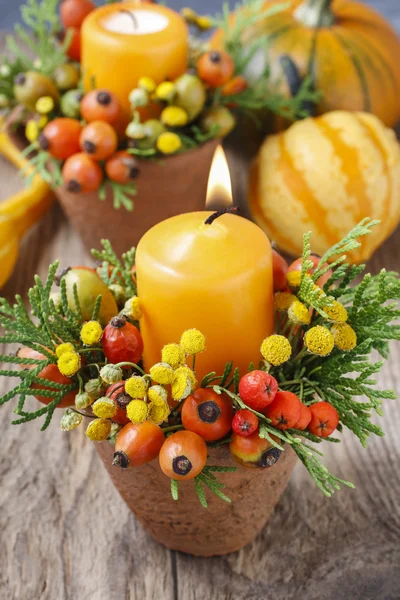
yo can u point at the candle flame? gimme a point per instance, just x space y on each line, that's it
219 188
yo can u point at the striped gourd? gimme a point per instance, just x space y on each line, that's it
325 174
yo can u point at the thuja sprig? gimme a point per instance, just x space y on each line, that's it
116 271
44 333
207 479
121 194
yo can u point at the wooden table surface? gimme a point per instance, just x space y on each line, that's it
65 534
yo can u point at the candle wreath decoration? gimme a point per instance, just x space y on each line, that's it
80 348
83 137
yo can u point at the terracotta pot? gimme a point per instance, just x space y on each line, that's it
167 187
184 524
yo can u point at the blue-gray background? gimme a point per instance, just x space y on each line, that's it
9 11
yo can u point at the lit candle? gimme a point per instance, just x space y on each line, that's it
125 41
214 277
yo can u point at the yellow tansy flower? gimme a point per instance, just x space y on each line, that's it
70 420
137 411
44 105
174 116
136 387
159 414
111 374
104 408
62 348
203 23
319 340
344 335
91 333
148 84
293 279
169 143
133 309
162 373
283 300
193 341
165 91
276 349
189 374
173 355
32 131
181 387
43 121
336 312
69 363
98 430
298 313
157 395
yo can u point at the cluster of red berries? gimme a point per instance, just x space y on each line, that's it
90 151
281 268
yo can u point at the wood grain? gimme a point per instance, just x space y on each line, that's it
65 533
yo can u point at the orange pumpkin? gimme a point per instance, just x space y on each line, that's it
325 175
351 52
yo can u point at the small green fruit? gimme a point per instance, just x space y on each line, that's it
71 104
218 116
66 76
30 86
152 129
89 287
190 95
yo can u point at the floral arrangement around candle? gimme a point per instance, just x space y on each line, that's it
81 349
81 141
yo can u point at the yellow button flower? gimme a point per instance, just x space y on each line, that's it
111 374
137 411
276 349
344 335
69 363
193 341
148 84
83 400
293 279
62 348
44 105
204 23
136 387
157 395
32 131
319 340
174 116
169 143
181 387
70 420
91 333
173 355
298 313
104 408
189 374
159 414
133 309
162 373
336 312
283 300
98 430
165 91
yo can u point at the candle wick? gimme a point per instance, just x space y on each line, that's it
232 209
132 16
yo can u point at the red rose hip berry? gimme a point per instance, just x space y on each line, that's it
304 419
324 419
284 411
279 271
122 341
121 399
244 422
208 414
253 451
257 389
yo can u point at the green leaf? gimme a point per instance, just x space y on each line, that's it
174 489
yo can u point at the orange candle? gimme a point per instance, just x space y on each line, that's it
125 41
216 278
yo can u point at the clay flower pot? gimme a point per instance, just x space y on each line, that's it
185 525
165 187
